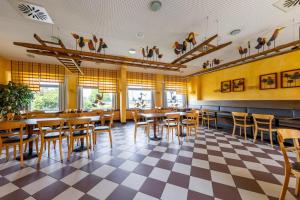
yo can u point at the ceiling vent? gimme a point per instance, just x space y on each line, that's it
287 5
34 12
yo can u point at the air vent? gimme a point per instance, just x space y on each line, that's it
34 12
287 5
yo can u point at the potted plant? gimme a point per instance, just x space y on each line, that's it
14 98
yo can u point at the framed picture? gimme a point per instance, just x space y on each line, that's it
225 86
268 81
238 85
290 79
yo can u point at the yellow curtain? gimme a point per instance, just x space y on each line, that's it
103 79
141 80
176 83
31 74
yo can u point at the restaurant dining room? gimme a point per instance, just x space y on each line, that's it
149 99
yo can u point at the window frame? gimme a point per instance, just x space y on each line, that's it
140 89
184 99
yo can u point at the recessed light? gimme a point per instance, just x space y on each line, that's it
235 32
155 5
140 35
132 51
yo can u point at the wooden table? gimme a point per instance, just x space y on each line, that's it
155 117
31 123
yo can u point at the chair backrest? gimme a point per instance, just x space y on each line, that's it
10 116
55 126
135 116
79 124
69 115
43 115
239 117
286 134
205 113
173 117
8 126
263 120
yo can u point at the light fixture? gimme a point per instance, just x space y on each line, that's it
155 5
132 51
235 32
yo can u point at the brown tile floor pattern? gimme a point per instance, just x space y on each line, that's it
212 165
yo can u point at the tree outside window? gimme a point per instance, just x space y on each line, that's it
92 99
47 99
139 98
175 100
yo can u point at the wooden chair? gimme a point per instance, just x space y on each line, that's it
197 113
103 129
172 123
51 134
240 120
294 168
263 123
14 136
138 124
79 129
208 116
189 123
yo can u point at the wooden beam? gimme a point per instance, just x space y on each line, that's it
64 56
221 46
97 55
195 49
253 58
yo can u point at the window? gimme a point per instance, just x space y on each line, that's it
175 100
48 98
138 98
92 99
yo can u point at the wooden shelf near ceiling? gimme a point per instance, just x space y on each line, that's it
279 50
200 50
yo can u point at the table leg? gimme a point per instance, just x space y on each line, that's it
30 154
154 131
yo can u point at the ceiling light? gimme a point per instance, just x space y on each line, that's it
155 5
235 32
132 51
34 12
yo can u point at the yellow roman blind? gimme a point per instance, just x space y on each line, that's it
103 79
32 74
176 83
141 80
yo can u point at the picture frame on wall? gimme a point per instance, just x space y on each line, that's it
226 86
268 81
290 78
238 85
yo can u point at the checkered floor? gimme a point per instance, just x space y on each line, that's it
212 165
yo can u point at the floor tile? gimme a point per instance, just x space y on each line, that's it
160 174
104 171
182 168
70 193
74 177
38 185
201 185
174 192
222 178
103 189
134 181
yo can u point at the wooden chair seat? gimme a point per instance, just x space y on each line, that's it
43 129
81 133
150 121
247 125
172 124
188 122
16 139
98 128
54 135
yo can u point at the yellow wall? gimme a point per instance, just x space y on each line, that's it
208 87
5 71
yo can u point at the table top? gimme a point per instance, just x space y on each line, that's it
155 115
35 121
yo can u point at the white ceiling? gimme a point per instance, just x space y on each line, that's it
118 22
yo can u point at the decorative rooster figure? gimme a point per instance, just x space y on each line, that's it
102 45
81 42
76 37
151 53
191 39
216 61
173 101
180 48
274 36
91 45
261 42
98 100
243 51
140 102
205 64
158 55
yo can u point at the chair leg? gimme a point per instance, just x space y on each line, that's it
54 144
48 148
233 132
87 144
15 152
135 133
168 132
245 132
297 189
41 150
240 131
255 135
216 124
25 149
285 186
60 149
148 134
178 135
37 145
110 139
21 154
162 132
261 136
271 138
207 124
7 154
70 148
